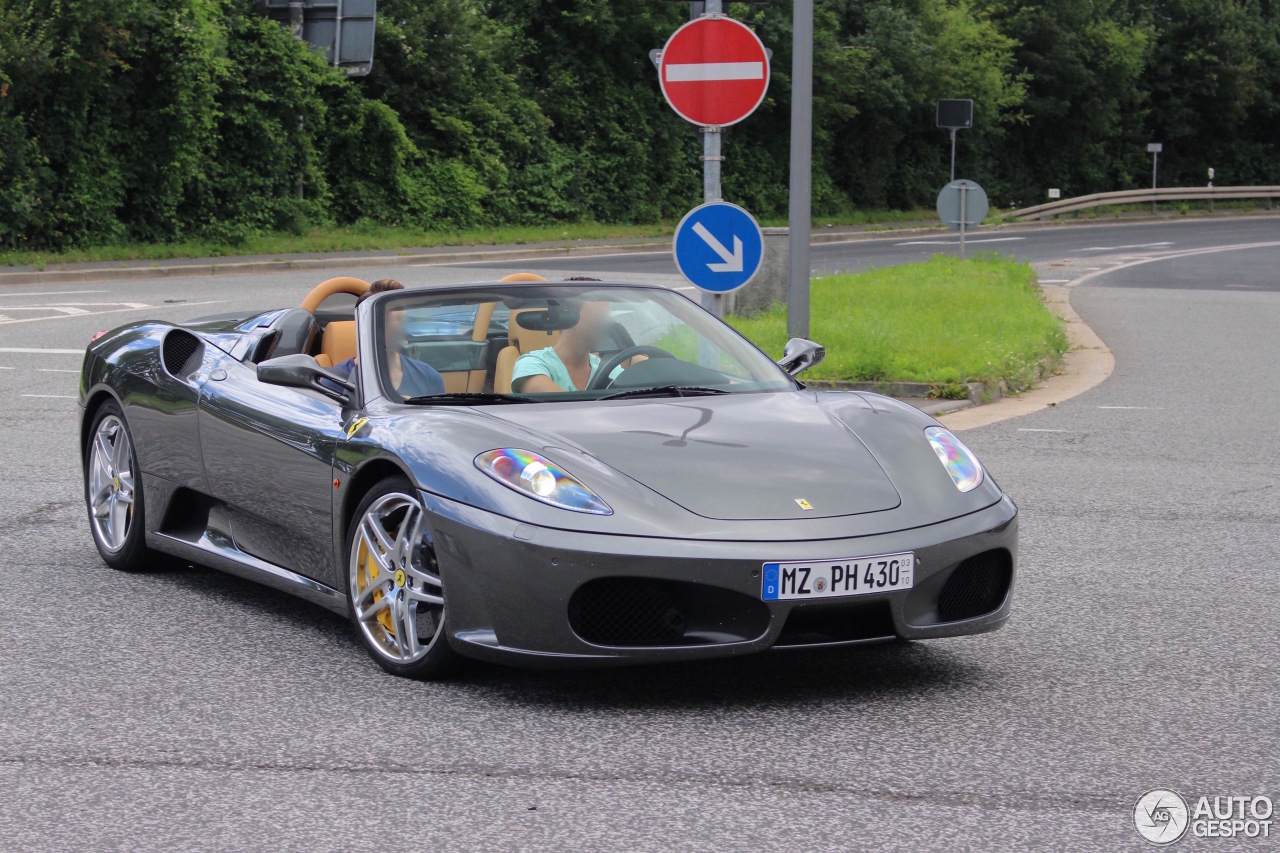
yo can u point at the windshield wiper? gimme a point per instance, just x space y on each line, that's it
667 391
465 398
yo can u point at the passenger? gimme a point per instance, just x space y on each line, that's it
570 365
409 377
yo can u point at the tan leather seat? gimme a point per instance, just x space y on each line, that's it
519 341
338 343
460 381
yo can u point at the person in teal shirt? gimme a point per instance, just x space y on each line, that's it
569 365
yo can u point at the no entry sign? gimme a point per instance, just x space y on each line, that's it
714 71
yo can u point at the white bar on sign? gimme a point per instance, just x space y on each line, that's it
703 71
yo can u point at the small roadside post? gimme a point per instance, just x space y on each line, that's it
955 114
1211 187
1154 148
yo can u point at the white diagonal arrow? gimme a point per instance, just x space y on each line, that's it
732 262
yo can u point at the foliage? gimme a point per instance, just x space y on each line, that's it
942 321
144 121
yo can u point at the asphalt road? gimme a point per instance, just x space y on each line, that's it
193 711
1081 245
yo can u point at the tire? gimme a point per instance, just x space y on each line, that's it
113 493
395 597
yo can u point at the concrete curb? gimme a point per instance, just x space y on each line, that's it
182 269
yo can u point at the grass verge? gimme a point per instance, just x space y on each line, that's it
942 321
365 237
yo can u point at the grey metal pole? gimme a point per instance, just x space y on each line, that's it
953 153
711 160
964 215
711 191
800 213
1155 159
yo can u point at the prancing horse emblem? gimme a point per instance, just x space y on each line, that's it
804 504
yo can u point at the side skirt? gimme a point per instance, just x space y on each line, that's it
218 552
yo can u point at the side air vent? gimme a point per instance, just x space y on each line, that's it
976 587
180 352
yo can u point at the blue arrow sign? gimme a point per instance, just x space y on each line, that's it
718 247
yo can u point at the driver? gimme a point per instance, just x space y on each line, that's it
569 365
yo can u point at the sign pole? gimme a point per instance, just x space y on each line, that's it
711 160
964 214
800 215
953 153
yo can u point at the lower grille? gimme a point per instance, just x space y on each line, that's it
976 587
626 612
633 612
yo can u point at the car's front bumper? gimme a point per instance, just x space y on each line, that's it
510 589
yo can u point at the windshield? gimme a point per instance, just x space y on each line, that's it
560 341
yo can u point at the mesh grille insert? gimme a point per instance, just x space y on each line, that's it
179 347
626 612
976 587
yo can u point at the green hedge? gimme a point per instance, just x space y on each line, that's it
164 120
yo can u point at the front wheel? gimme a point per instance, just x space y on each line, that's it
113 492
397 600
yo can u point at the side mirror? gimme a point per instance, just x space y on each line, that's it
801 354
302 371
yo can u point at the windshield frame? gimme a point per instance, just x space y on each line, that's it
767 376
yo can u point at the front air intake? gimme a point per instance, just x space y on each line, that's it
180 353
638 612
976 587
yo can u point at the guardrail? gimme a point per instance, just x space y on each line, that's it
1210 194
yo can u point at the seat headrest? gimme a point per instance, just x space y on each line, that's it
526 339
339 341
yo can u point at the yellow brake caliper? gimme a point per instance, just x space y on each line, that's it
370 569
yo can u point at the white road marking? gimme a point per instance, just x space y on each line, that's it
73 307
52 293
1120 248
2 367
114 311
42 351
532 262
51 396
697 72
956 242
1054 280
55 370
1239 247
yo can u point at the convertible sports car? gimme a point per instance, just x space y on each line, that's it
675 495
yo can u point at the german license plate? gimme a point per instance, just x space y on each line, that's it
837 578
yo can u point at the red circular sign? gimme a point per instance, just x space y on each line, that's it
714 71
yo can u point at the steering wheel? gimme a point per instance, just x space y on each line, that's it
325 289
601 379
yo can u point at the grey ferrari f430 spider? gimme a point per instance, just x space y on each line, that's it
538 473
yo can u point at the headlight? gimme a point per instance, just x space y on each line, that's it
541 479
961 464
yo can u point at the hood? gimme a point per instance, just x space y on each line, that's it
737 457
